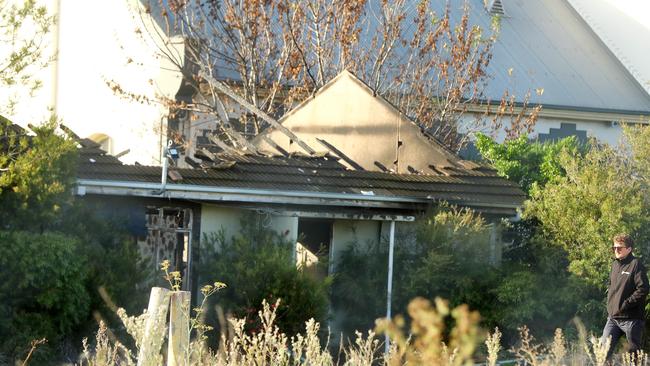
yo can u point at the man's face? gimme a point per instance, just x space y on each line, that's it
621 251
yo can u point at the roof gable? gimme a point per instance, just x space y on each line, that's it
349 120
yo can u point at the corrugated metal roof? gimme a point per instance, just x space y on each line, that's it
549 46
624 26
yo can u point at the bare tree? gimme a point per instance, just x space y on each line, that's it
277 52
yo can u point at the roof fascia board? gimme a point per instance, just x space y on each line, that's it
213 193
346 216
578 113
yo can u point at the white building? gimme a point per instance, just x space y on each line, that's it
100 45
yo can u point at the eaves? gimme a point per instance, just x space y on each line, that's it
265 196
584 114
246 195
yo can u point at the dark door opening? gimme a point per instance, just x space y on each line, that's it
313 247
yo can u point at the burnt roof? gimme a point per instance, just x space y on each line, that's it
473 185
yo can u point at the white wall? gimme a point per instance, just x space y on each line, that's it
99 41
607 132
603 131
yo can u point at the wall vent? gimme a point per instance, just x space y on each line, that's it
495 7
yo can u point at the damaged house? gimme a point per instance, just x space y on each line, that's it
343 167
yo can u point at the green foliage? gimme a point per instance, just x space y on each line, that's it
524 162
116 264
36 184
42 290
448 254
257 265
537 290
559 256
598 198
36 176
445 254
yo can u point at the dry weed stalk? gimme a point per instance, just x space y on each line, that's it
427 346
529 352
558 348
638 358
104 353
34 344
493 343
598 352
364 350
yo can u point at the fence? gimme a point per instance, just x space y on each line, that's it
177 303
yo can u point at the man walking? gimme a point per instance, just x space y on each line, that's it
626 298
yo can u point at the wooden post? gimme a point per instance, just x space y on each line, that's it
178 349
154 328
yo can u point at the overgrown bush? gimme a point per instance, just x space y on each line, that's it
542 284
528 163
56 252
447 254
42 290
37 176
115 265
258 265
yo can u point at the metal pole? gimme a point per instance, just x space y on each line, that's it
389 292
165 163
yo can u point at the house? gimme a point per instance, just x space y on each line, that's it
313 195
314 201
552 47
583 61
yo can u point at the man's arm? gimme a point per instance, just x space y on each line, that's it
641 288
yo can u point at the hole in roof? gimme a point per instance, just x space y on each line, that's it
105 142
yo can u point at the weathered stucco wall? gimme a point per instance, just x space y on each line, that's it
347 115
214 218
351 232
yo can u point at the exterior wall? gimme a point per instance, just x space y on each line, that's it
350 232
608 132
102 41
214 218
366 128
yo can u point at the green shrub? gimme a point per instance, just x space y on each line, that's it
446 255
258 265
528 163
37 177
42 290
115 263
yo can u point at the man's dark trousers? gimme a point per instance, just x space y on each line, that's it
632 328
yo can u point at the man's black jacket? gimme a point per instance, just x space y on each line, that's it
628 288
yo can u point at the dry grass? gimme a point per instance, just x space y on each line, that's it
423 343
